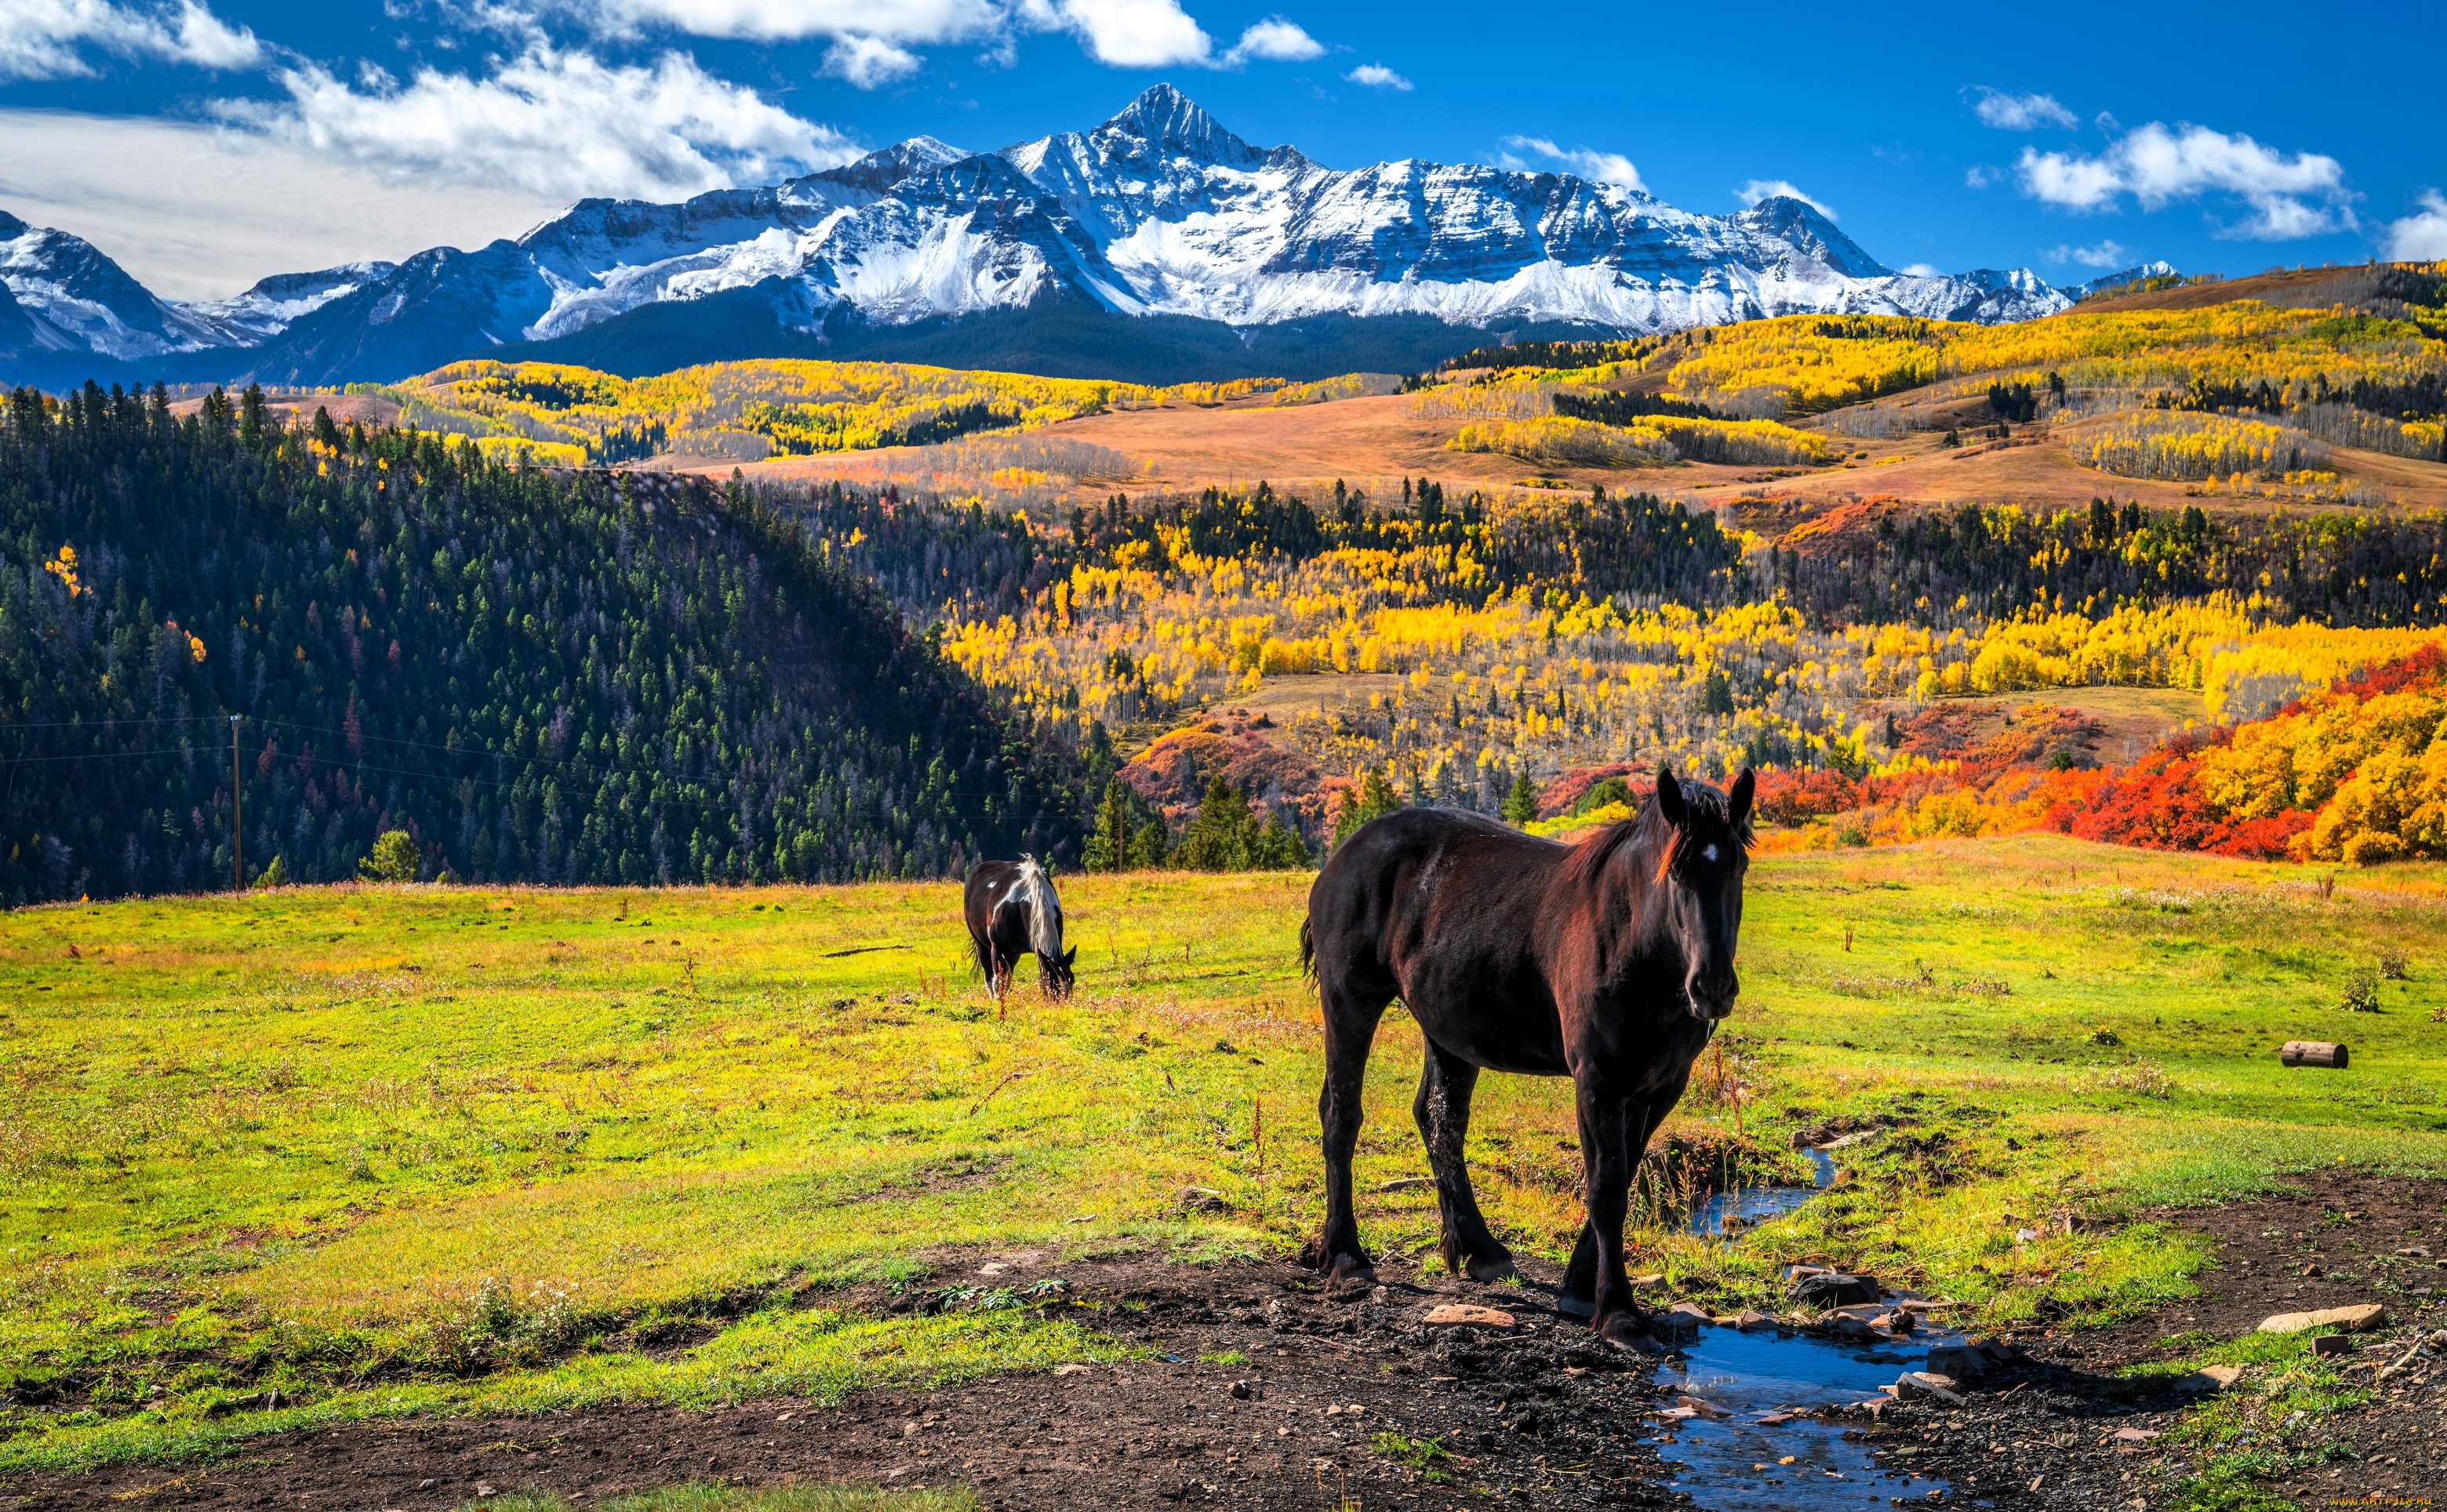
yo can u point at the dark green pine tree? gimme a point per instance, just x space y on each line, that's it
1109 843
1220 837
1521 805
1373 799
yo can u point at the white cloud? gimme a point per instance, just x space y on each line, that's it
2013 112
1922 269
1276 40
2107 253
2299 195
550 122
1136 33
1377 76
2421 238
195 212
897 21
1980 176
1597 168
42 38
1758 189
868 62
874 40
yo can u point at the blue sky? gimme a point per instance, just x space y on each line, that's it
206 145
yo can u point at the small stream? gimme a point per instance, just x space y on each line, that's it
1727 1215
1731 1463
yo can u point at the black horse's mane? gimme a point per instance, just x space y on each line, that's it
1587 861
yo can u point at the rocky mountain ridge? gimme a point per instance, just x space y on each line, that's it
1157 241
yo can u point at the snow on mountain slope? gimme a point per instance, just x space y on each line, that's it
1158 211
78 298
2130 276
277 302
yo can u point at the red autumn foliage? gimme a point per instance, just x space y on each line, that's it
1562 795
1789 797
2156 803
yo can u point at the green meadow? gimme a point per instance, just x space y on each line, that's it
318 1154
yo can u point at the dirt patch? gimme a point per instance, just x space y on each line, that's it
1540 1415
1268 1393
2053 1442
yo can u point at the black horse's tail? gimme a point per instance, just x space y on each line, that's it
1308 952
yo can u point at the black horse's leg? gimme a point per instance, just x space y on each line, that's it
1608 1125
1579 1293
1350 1028
1442 1110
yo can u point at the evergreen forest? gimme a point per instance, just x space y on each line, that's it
551 677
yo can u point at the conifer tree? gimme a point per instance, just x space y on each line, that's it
1521 805
1374 798
1220 838
1109 846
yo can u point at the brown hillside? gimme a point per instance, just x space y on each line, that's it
2298 288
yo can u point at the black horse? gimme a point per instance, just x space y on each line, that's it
1012 911
1610 962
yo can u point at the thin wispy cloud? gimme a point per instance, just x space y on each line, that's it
548 122
199 212
2102 254
1597 168
2013 112
2302 193
51 39
1758 189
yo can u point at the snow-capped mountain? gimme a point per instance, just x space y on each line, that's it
1157 241
275 303
2130 276
73 299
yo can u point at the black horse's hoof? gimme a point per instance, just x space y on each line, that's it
1493 1269
1336 1270
1347 1276
1576 1307
1629 1334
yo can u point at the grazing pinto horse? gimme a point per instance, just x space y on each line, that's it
1011 911
1610 962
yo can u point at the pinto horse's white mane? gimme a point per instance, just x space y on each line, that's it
1035 891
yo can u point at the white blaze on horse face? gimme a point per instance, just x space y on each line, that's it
1709 854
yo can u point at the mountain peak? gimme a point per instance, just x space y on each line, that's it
1169 123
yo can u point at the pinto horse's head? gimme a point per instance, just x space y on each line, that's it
1707 850
1058 975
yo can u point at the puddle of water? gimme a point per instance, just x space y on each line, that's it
1728 1465
1728 1215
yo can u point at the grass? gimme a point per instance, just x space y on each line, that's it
388 1152
1427 1455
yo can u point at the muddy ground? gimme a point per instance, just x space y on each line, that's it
1537 1415
2053 1443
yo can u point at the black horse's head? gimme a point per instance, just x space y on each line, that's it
1707 850
1058 975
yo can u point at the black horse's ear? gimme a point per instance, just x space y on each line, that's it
1738 803
1669 796
1069 955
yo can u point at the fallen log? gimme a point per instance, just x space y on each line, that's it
2314 1052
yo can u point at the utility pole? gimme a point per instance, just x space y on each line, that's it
238 845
